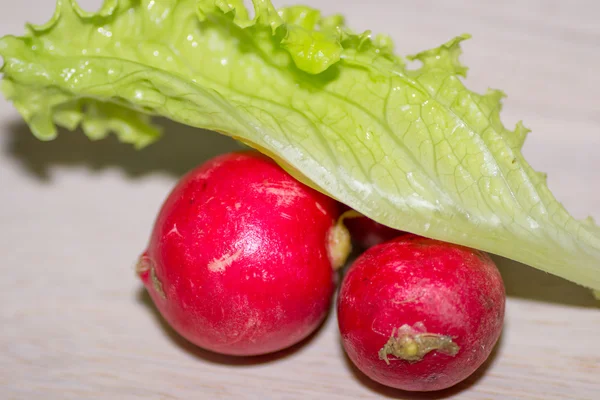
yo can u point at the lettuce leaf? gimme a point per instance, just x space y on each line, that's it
413 149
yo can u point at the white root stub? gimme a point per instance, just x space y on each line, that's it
339 245
146 264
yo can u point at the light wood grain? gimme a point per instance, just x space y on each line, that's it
75 324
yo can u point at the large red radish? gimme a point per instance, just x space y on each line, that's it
241 257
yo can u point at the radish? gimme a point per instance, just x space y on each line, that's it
366 233
240 258
420 315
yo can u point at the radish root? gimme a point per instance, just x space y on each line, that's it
410 344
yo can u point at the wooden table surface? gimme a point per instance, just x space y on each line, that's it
76 324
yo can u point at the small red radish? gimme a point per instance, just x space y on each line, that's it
366 232
241 254
420 315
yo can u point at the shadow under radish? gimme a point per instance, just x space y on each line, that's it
215 358
525 282
392 393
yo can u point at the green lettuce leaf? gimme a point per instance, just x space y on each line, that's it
411 148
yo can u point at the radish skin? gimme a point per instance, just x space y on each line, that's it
420 315
366 233
241 257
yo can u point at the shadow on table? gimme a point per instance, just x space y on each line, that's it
525 282
180 149
144 298
391 393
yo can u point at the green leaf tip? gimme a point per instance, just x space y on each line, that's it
313 46
444 57
413 149
312 51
